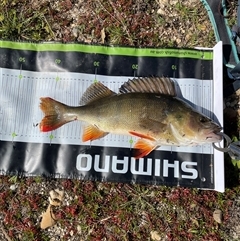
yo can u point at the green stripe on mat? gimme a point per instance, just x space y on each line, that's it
108 50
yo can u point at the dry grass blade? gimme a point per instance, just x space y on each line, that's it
4 233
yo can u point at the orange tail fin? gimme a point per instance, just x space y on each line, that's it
55 114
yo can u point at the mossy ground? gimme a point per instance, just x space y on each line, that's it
111 211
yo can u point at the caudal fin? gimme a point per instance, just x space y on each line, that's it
54 114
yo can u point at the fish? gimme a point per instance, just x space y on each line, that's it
145 107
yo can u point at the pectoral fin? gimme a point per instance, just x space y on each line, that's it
143 147
141 135
91 133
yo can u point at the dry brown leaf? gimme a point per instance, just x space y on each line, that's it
48 218
56 197
155 236
103 35
54 202
217 215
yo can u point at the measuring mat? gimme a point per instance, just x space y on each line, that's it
29 71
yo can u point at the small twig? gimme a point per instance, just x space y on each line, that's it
49 27
105 219
5 233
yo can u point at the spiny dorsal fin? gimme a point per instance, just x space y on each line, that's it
157 85
95 92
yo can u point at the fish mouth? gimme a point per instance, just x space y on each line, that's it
214 135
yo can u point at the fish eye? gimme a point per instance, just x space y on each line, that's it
203 119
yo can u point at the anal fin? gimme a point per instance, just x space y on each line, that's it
143 148
91 133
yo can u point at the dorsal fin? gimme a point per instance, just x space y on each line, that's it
157 85
95 92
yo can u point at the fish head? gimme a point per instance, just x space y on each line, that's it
205 129
195 128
